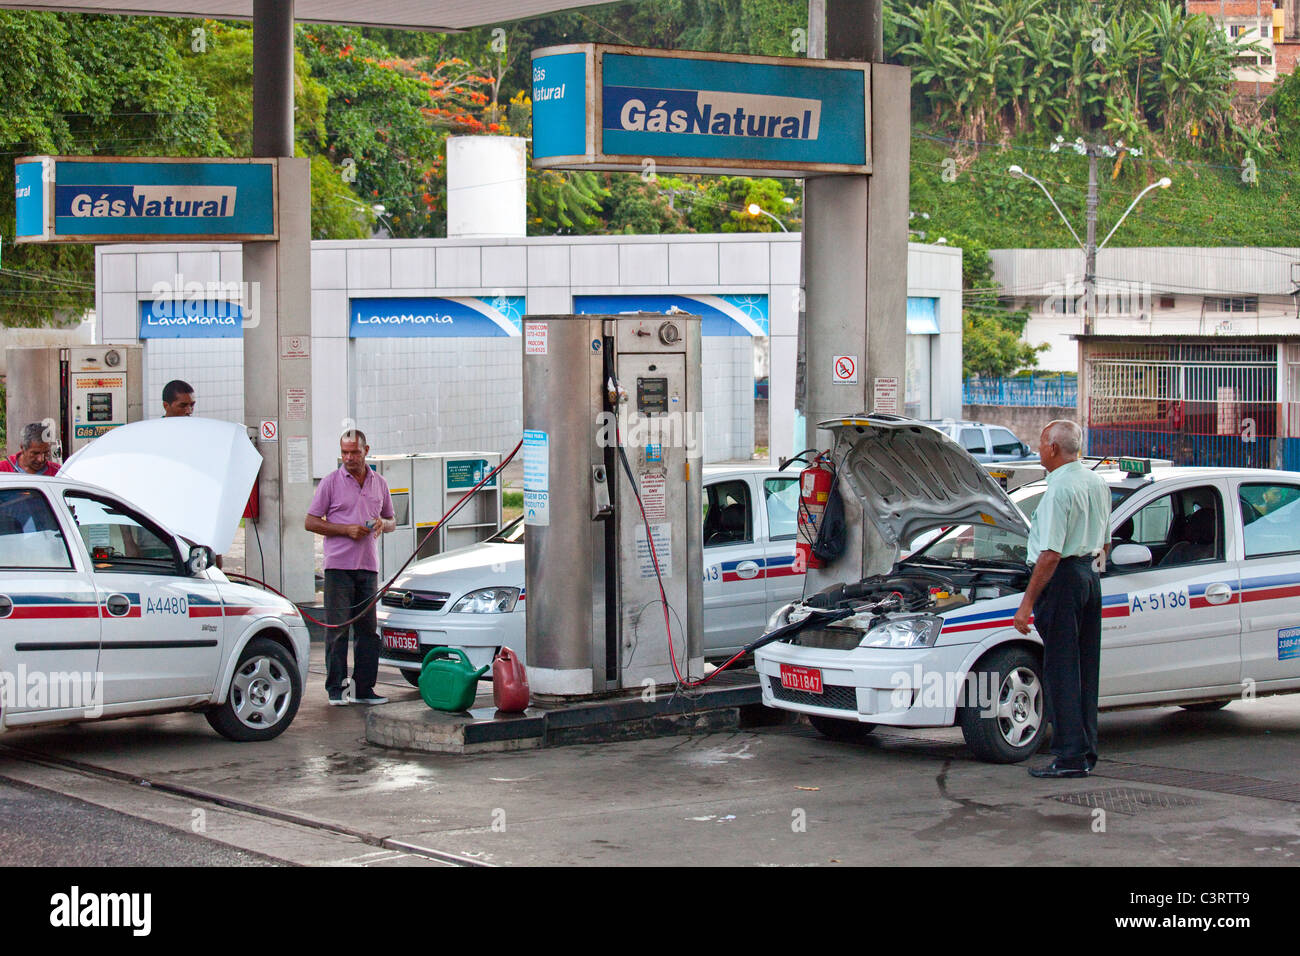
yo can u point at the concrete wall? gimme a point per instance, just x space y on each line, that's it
1026 421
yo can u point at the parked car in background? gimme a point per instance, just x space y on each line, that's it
473 598
986 443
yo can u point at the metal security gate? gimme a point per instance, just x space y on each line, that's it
1195 403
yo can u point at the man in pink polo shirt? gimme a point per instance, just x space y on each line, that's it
33 456
351 509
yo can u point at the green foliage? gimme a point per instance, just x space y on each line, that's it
86 85
989 348
1146 73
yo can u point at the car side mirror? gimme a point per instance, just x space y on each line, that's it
1129 555
201 558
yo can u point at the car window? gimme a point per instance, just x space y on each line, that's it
1269 513
119 540
1182 527
727 515
30 536
972 439
511 533
782 496
1004 443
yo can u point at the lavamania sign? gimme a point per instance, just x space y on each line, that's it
429 317
597 106
96 199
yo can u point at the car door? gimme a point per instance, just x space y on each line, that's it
735 593
971 437
781 510
159 637
49 613
1004 446
1173 624
1270 579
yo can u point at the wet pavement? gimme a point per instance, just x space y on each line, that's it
1173 788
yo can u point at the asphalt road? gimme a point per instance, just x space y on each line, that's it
40 828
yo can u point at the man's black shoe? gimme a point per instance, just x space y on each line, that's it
1056 770
1091 763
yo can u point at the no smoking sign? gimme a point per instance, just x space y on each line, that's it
269 431
844 370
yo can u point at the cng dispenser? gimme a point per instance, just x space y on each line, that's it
595 620
87 389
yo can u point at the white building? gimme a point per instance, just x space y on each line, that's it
418 340
1156 291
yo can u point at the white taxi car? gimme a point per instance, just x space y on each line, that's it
1201 597
473 598
104 612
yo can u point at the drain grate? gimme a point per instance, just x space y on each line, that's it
1209 781
1125 799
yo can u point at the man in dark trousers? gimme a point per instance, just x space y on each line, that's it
351 508
1068 539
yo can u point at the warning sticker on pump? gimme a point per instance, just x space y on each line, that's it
654 497
663 550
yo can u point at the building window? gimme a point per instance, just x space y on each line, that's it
1233 303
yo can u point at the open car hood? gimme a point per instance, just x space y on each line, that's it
909 478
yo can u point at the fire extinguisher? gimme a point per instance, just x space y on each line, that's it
815 483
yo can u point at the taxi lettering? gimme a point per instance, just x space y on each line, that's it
166 605
1166 600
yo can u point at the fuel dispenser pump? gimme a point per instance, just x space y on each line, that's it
612 501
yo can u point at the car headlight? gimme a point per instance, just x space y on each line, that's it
919 631
487 601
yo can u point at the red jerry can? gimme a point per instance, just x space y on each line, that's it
509 682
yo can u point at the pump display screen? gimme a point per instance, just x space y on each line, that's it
99 407
652 396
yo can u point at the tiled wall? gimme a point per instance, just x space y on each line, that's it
215 367
436 394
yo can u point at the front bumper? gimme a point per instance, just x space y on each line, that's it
891 686
478 635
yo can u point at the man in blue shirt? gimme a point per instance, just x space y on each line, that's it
1068 538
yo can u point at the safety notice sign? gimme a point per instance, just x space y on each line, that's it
269 430
844 369
885 392
654 496
663 550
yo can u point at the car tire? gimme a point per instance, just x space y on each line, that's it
1205 707
1016 728
263 696
412 677
834 728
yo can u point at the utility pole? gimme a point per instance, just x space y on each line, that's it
1090 251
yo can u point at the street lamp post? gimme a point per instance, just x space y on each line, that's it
1091 247
755 209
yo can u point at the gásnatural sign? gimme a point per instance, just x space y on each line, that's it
598 106
98 199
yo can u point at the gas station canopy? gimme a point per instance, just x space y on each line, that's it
436 15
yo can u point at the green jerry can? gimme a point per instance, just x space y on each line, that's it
448 681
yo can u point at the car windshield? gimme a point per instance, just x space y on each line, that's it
987 543
512 532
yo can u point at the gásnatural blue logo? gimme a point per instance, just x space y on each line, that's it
147 202
711 112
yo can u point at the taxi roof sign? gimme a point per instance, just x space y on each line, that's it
1135 466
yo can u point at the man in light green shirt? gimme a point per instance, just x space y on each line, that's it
1068 539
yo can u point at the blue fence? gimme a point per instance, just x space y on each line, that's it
1058 390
